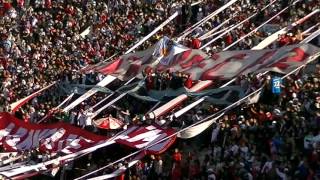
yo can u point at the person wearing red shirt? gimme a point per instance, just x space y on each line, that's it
284 40
188 83
228 39
195 43
103 18
177 156
6 5
48 4
176 172
20 3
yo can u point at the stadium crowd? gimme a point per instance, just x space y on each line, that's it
45 41
42 42
274 138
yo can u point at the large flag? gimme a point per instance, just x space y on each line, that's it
16 135
223 66
145 138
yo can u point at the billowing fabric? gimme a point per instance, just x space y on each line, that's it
223 66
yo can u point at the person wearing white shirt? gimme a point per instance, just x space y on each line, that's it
282 175
267 167
88 116
81 119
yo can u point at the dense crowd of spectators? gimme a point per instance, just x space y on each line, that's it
276 138
43 42
242 10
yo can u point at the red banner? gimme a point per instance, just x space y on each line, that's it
145 136
16 135
223 65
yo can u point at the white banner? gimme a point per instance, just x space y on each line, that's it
85 32
107 105
107 80
310 29
205 36
65 101
16 105
196 130
216 33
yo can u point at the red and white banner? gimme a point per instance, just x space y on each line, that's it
178 100
16 135
223 66
145 136
131 65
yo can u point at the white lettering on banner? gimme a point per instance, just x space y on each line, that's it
12 140
144 138
150 128
49 142
147 136
229 64
5 132
153 139
71 142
